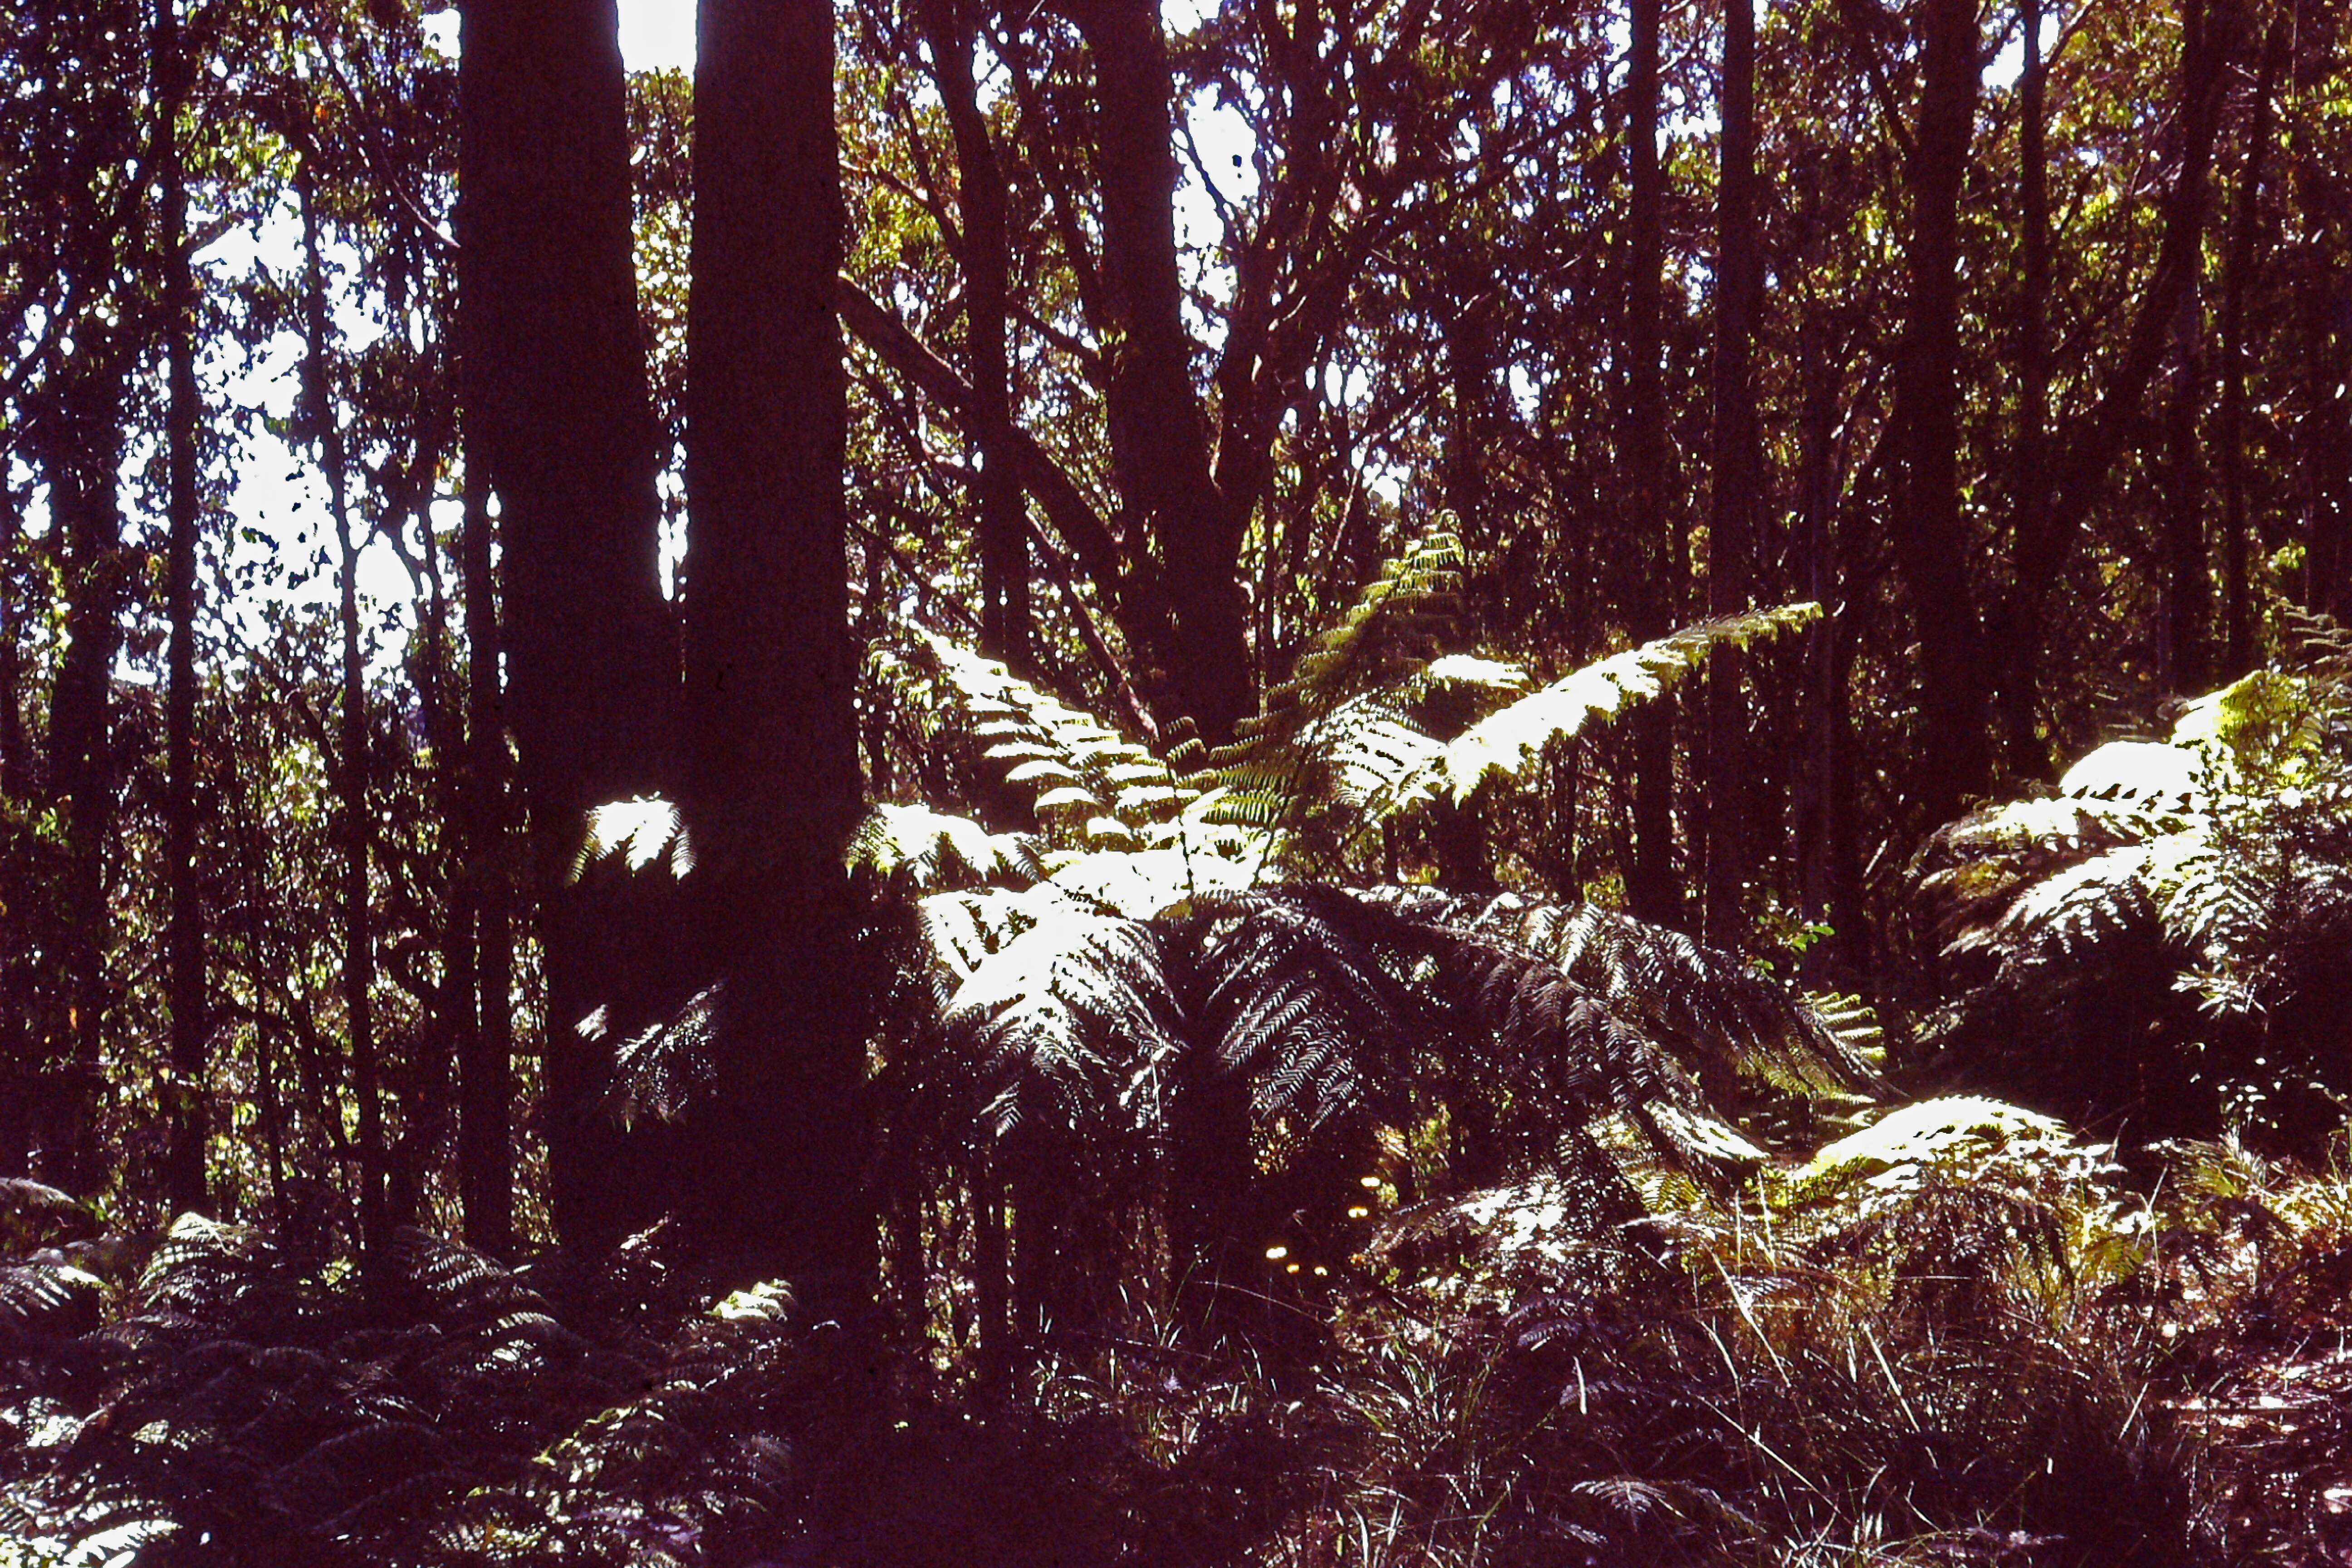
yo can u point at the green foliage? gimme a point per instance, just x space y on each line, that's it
2165 939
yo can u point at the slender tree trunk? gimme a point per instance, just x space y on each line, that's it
1931 537
773 792
190 1024
486 1065
84 448
2325 428
2030 482
16 1067
351 765
1737 479
1654 889
1160 432
2245 236
562 413
2188 569
986 258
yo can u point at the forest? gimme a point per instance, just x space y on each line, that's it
1456 782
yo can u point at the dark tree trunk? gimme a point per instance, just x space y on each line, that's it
563 414
774 790
2245 238
351 770
185 943
2321 295
1930 534
2030 483
83 447
2187 572
16 1031
1737 479
986 258
1160 433
486 1065
1652 885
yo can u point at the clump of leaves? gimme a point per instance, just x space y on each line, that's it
2164 942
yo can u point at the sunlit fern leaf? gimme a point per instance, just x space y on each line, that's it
1070 1017
924 850
1507 742
639 830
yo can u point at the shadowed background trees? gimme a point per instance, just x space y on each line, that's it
2012 336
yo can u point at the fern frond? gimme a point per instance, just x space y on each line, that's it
1506 743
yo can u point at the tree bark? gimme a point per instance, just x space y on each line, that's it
773 791
1738 478
1159 430
1930 534
2325 428
563 415
350 771
185 1175
2246 238
83 451
2030 479
486 1067
1652 885
985 255
2187 572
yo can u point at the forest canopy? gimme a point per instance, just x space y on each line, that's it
1239 782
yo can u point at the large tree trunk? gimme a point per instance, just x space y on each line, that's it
986 258
1737 480
1160 433
773 789
1652 886
1931 539
185 943
563 415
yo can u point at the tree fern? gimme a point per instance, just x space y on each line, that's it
2160 936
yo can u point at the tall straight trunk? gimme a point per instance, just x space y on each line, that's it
2188 600
986 257
2246 238
1652 885
2320 289
83 448
2029 480
190 1026
351 764
1159 429
562 411
486 1061
773 789
16 954
1931 542
1737 479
